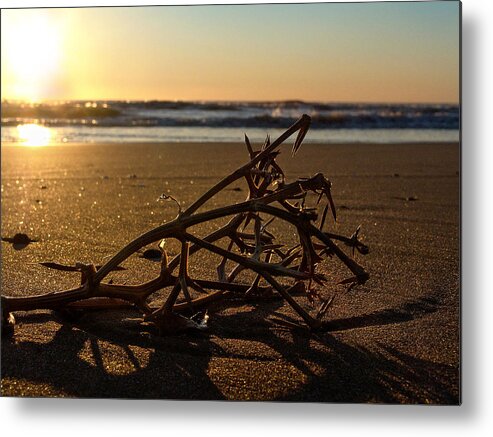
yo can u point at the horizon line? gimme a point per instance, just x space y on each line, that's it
335 102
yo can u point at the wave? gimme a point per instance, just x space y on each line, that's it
279 114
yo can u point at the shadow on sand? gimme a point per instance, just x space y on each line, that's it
177 367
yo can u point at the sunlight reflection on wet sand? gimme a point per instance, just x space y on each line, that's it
33 135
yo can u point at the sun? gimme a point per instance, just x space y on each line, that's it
31 54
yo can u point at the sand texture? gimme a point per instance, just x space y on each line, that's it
395 340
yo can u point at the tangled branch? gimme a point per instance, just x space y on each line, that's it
249 246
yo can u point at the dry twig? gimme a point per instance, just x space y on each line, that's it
252 248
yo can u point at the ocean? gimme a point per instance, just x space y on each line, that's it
175 121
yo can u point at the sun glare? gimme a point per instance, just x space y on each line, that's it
32 55
33 135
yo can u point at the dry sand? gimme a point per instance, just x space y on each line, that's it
396 340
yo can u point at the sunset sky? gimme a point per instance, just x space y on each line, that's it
382 52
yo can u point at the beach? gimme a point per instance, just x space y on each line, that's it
394 340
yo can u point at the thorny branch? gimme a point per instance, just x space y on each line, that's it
250 246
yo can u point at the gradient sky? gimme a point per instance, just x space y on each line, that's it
368 52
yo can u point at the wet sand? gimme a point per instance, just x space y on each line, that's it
395 340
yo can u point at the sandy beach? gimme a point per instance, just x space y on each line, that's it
395 340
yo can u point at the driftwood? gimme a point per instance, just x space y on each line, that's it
247 244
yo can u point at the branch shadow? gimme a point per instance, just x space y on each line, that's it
175 369
355 373
404 313
334 370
